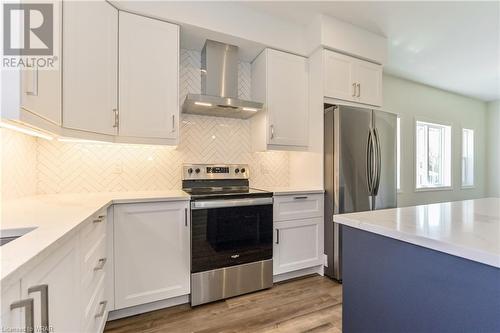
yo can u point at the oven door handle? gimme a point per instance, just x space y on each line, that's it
207 204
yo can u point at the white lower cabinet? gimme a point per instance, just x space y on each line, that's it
297 245
53 287
151 252
13 307
298 232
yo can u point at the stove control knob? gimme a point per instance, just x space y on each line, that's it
236 170
190 170
243 170
197 170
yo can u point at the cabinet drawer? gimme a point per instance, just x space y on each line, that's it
95 309
292 207
93 266
94 227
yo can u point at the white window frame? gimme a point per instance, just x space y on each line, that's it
473 185
451 162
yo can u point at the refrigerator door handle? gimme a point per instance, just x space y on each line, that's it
378 162
369 162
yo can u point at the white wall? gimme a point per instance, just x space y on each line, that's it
416 101
493 134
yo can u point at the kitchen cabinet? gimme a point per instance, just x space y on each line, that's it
148 78
13 307
280 81
95 296
297 245
292 207
152 252
53 286
41 88
352 79
298 232
90 66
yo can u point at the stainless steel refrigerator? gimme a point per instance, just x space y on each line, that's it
360 169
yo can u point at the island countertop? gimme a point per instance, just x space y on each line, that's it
468 229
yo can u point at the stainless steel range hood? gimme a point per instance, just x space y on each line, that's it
219 85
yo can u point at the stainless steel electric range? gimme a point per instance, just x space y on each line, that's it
231 232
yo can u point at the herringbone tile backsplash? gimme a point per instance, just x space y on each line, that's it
57 167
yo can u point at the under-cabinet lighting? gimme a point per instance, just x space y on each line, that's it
25 130
203 104
73 140
250 109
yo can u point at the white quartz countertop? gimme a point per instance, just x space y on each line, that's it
291 190
469 229
56 217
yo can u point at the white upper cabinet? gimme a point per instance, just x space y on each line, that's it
41 93
90 66
280 81
148 78
351 79
152 252
369 80
339 76
41 88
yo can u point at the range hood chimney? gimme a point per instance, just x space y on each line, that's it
219 85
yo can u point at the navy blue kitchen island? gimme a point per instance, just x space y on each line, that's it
433 268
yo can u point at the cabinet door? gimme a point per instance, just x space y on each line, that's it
369 79
148 77
59 274
152 260
297 245
287 99
339 76
41 88
12 320
90 66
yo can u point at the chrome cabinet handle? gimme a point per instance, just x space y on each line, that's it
277 236
99 219
185 217
173 123
359 89
300 198
29 318
100 264
354 89
43 289
34 83
102 306
117 118
272 131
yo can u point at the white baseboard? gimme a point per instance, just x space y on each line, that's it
143 308
301 272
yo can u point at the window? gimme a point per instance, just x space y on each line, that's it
433 160
467 157
398 152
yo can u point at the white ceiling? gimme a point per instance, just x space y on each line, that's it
450 45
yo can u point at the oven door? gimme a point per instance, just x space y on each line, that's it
228 232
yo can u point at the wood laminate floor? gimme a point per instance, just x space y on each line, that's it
311 304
